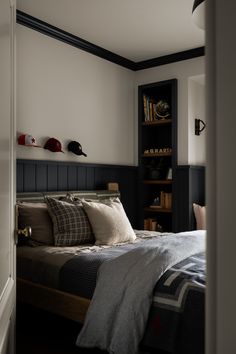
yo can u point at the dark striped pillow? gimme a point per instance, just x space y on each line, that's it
71 225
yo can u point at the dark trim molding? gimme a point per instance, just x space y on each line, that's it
66 37
171 58
190 188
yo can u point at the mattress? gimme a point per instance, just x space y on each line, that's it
70 269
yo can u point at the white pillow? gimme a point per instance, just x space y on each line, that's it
109 222
200 216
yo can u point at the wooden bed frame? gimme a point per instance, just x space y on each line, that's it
56 301
64 304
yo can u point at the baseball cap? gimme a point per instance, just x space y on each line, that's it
76 148
53 145
27 140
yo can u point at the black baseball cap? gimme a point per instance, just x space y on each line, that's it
76 148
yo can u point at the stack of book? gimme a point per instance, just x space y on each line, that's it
149 105
151 224
166 200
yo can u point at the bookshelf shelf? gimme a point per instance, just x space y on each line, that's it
157 122
158 210
158 181
157 154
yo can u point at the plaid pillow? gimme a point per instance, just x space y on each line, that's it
70 223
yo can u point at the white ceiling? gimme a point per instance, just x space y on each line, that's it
135 29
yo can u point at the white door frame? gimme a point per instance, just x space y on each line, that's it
221 176
8 290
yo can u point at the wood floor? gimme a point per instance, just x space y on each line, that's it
38 332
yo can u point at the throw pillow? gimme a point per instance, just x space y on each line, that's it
70 223
109 222
200 216
37 217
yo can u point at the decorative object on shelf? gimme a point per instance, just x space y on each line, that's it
76 148
162 109
198 128
157 151
53 145
155 169
169 173
112 186
156 203
198 13
27 140
159 228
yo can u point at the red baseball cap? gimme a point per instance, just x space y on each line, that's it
27 140
53 145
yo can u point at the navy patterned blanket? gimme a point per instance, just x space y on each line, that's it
176 318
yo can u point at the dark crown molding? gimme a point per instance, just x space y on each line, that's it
57 33
171 58
66 37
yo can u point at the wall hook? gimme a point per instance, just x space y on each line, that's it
198 128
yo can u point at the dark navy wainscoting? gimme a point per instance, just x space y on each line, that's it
42 176
189 189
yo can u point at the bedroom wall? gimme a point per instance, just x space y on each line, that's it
182 70
196 109
66 93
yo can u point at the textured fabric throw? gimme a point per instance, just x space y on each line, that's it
118 312
70 223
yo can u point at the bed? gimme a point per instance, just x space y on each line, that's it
63 280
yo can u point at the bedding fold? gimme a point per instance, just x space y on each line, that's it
118 312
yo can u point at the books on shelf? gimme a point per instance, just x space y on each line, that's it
149 105
165 201
151 224
151 109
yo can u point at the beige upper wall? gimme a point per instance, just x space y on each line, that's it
182 71
69 94
66 93
196 109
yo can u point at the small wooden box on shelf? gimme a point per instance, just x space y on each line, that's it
157 152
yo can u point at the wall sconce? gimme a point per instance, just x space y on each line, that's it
198 128
198 13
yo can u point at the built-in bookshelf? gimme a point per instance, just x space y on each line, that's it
157 154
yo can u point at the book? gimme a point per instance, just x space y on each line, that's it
145 108
168 200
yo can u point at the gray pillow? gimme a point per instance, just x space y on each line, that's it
37 217
70 223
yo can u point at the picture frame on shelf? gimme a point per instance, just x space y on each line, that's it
169 174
